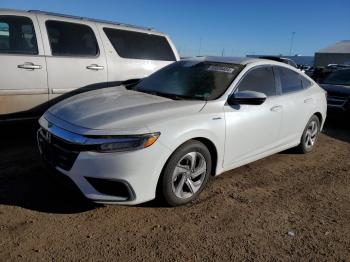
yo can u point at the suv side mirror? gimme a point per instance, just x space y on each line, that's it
246 98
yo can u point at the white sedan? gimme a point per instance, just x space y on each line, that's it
168 134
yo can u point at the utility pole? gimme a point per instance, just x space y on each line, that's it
223 52
291 44
200 46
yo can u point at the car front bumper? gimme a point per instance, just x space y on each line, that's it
122 178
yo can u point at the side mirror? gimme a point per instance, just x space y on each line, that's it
246 98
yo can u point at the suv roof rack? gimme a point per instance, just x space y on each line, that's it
91 19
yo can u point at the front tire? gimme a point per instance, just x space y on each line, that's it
310 135
185 174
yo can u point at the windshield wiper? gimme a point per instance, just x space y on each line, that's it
131 83
171 96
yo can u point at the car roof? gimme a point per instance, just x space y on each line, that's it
236 60
52 14
275 58
223 59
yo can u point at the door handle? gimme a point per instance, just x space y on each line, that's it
276 108
308 100
95 67
29 66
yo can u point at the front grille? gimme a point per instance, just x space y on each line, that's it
56 151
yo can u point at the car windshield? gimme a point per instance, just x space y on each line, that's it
340 77
199 80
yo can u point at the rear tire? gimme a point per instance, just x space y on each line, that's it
310 136
185 174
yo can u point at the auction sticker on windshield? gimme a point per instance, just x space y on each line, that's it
222 69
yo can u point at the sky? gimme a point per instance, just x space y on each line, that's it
221 27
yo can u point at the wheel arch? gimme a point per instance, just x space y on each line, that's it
213 152
211 147
209 144
320 117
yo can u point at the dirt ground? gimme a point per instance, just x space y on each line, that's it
286 207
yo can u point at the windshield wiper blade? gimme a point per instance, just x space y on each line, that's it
171 96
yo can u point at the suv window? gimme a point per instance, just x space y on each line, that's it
71 39
260 79
17 35
290 81
136 45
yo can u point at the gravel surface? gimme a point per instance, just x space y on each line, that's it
286 207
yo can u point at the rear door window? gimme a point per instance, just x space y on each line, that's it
290 81
260 79
71 39
17 35
306 83
136 45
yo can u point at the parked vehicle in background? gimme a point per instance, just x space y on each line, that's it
337 85
171 131
337 66
45 55
281 59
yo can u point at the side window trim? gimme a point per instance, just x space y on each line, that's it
280 82
71 55
36 51
253 68
277 80
308 81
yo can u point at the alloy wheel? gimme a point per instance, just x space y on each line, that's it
311 134
189 174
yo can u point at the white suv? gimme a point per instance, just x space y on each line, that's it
44 55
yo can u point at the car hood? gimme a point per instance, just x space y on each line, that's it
336 89
117 109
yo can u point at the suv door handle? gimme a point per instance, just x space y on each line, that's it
276 108
95 67
29 66
308 100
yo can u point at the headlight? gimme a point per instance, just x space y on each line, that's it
123 143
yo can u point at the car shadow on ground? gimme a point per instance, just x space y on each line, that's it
25 182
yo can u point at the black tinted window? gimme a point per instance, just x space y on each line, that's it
290 80
259 80
340 77
17 35
135 45
70 39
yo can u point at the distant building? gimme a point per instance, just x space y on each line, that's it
338 53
